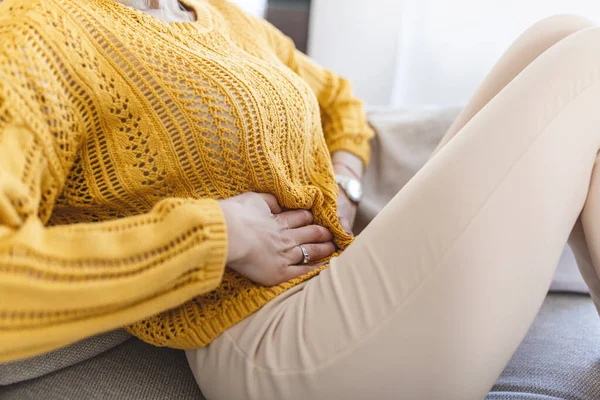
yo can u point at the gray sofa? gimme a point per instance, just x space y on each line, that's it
558 359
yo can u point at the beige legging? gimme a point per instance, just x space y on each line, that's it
433 298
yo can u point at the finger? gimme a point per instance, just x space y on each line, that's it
295 218
315 251
294 271
271 202
311 234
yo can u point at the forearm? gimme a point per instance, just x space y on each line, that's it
64 283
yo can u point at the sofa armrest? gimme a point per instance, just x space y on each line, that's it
404 141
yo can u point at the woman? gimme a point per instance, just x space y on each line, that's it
139 156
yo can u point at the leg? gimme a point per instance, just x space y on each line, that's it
530 45
533 42
429 301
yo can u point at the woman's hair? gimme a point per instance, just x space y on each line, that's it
167 10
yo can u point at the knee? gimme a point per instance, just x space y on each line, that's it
561 24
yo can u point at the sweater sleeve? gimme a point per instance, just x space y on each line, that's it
342 114
59 284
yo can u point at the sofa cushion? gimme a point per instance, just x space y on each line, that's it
56 360
558 359
133 370
560 356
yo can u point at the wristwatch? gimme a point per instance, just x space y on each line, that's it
352 187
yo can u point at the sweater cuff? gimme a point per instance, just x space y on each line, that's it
214 235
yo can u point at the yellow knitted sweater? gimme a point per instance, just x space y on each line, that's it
118 133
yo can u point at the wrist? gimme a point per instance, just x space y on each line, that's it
341 168
235 251
347 163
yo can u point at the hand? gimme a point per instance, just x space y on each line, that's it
346 211
264 240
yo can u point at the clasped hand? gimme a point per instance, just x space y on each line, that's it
264 240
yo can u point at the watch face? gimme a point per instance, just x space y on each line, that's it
354 190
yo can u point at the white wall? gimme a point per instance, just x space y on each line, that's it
358 39
455 43
409 52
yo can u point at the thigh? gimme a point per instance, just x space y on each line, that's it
434 296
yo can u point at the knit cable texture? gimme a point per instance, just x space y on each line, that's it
118 133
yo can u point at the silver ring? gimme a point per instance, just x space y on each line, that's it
305 256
